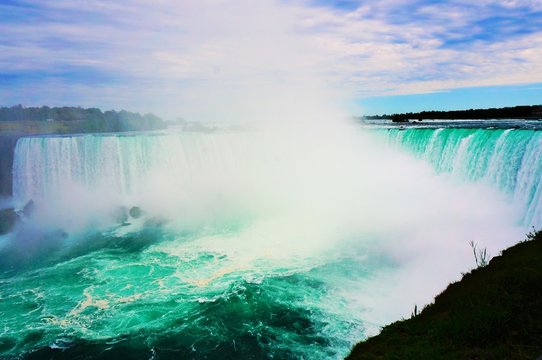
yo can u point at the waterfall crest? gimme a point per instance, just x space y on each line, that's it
214 165
508 159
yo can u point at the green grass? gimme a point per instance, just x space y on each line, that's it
494 312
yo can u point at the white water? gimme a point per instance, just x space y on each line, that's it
291 194
508 160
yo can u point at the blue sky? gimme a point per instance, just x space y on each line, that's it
178 58
455 99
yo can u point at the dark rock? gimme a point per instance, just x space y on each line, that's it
7 148
8 219
29 208
136 212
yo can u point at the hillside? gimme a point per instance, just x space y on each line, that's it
494 312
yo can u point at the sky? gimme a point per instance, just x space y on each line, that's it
211 59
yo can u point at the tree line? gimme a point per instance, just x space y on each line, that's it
516 112
77 119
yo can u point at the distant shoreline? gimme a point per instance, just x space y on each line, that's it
531 112
487 124
44 120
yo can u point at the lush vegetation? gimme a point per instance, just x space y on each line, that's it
516 112
494 312
64 120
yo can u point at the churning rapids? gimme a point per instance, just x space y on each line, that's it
250 244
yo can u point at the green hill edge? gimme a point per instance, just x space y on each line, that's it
494 312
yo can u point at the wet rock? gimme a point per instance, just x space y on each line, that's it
29 208
136 212
8 219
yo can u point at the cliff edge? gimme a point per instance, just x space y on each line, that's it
494 312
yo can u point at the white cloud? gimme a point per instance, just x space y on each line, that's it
203 59
411 57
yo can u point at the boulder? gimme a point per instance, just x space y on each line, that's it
136 212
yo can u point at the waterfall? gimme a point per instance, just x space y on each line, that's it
327 228
180 164
509 160
125 165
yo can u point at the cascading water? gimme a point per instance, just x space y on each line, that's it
125 166
509 159
252 244
210 286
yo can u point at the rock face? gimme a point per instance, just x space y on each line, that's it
8 219
7 150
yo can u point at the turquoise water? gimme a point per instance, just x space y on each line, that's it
194 277
145 295
507 159
238 253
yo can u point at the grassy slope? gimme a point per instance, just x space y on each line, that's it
494 312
